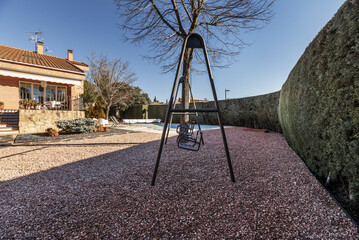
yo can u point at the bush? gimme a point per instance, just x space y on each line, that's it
80 125
97 111
52 132
89 113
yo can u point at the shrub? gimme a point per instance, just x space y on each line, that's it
89 113
80 125
52 132
97 111
1 103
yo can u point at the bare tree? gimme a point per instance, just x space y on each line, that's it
110 78
164 24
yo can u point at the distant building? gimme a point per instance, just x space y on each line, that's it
195 100
51 83
40 77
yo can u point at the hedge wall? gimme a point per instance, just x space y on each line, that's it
254 112
319 102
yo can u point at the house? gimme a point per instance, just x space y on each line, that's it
53 84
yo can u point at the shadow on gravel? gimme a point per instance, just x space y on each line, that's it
110 196
20 153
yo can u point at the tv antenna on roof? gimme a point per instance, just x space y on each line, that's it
48 50
35 37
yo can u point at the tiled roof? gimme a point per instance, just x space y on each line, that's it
25 56
78 63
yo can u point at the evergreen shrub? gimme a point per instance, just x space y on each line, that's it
80 125
98 110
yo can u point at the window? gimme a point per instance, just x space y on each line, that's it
50 93
38 93
61 94
25 90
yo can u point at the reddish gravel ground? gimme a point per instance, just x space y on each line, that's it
109 196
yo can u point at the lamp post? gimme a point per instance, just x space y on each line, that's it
225 93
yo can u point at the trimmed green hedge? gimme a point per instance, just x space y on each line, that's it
254 112
319 102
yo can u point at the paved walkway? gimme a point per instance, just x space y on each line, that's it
100 188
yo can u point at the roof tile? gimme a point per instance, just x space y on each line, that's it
25 56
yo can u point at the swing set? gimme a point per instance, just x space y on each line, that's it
188 138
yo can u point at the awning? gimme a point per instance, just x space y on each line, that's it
39 77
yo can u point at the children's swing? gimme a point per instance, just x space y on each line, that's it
188 138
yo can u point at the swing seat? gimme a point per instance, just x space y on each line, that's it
187 142
188 147
185 128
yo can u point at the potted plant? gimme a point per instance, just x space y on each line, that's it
21 105
26 103
1 105
31 104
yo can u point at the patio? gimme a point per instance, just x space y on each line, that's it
100 188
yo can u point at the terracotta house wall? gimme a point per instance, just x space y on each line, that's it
9 92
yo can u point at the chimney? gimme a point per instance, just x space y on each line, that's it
70 55
40 47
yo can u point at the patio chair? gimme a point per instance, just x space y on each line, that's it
114 120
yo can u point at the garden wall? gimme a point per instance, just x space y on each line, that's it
254 112
37 121
319 102
135 112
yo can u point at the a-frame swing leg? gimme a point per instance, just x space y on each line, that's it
193 41
169 111
220 120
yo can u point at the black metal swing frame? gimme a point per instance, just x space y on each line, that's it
193 40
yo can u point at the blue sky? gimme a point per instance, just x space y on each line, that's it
90 25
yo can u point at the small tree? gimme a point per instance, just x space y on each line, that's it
109 78
98 110
90 113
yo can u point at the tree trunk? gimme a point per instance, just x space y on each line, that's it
107 111
185 85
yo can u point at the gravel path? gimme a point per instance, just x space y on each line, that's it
100 188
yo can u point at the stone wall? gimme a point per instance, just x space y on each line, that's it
319 102
37 121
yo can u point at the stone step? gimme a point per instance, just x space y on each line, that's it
5 129
2 125
9 122
9 114
12 132
9 111
8 117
